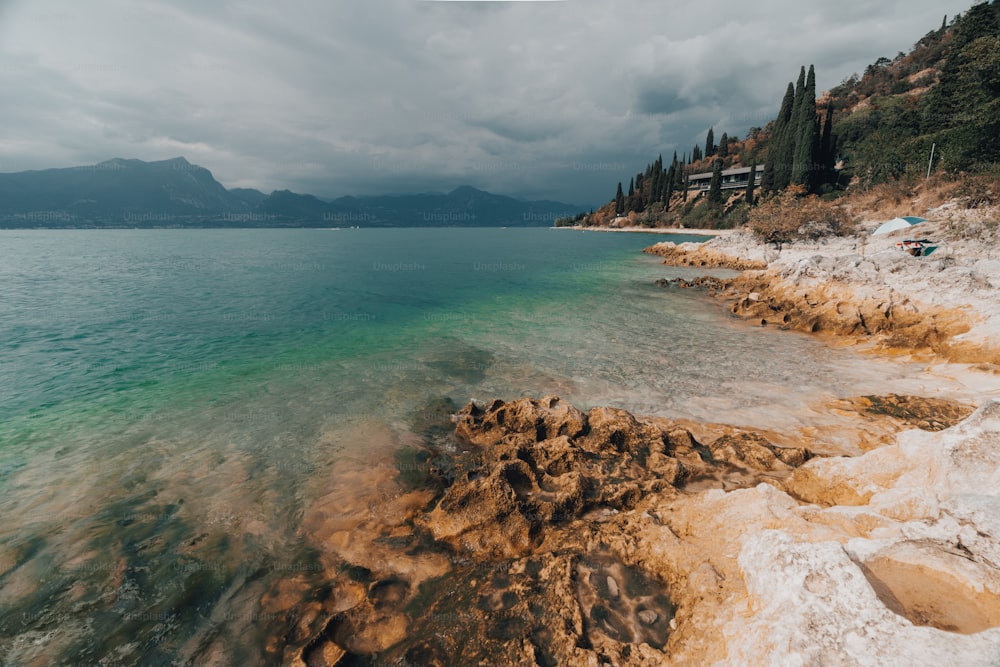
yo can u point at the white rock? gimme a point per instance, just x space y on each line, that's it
612 587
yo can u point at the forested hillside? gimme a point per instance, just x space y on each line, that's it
944 95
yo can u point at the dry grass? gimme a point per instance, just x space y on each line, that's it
791 216
916 196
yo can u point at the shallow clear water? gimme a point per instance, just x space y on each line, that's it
174 400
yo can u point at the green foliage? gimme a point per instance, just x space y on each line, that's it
710 143
777 168
715 186
805 155
737 216
570 221
749 193
702 214
893 135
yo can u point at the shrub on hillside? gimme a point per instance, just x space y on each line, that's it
791 217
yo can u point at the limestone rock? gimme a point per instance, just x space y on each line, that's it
616 429
752 450
521 421
701 255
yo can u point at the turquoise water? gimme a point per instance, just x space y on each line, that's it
174 401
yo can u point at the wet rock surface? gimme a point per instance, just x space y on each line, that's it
927 414
701 256
512 552
597 538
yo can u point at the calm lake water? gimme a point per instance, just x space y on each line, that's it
172 401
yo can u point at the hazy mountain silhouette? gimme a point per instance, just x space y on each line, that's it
175 192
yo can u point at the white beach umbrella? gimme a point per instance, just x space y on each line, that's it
898 223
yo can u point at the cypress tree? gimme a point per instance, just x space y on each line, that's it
775 176
806 134
827 158
750 182
668 192
790 135
619 200
631 188
715 186
724 145
710 143
695 154
783 169
800 92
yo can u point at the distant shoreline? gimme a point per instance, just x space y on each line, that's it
658 230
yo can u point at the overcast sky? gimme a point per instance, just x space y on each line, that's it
533 99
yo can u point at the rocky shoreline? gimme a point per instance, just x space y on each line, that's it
531 533
552 536
863 288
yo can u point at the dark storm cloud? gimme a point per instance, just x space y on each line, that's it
543 99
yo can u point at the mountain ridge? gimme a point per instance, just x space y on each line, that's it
128 192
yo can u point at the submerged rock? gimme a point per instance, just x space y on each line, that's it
752 450
590 548
535 514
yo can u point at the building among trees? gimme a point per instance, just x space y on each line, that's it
731 179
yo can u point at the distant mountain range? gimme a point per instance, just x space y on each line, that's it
176 193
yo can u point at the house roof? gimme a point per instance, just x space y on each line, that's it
727 172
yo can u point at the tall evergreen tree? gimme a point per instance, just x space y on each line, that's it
715 185
619 200
631 188
777 165
668 192
695 154
826 148
800 92
790 136
724 145
806 131
748 197
710 143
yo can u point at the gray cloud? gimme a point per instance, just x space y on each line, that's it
553 99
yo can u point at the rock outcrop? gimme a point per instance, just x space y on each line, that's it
520 559
863 288
702 256
569 537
